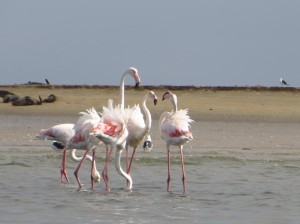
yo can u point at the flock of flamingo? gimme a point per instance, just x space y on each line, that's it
119 128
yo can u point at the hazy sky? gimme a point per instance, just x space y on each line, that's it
200 42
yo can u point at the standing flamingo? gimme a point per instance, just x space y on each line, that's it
62 133
174 129
82 140
112 131
133 72
137 127
82 135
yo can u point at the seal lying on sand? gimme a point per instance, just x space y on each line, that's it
8 96
4 92
26 101
51 98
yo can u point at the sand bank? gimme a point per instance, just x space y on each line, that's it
204 103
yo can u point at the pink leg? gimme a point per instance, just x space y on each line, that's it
78 167
132 156
126 157
63 173
104 173
169 175
93 169
182 167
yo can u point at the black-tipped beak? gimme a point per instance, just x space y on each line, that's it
163 99
137 85
155 101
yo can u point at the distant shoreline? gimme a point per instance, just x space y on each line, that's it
160 87
206 103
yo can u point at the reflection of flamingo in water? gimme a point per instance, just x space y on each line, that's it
174 129
137 127
62 133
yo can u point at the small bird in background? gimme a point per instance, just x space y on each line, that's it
283 82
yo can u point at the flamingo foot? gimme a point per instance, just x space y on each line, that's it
106 181
168 184
64 177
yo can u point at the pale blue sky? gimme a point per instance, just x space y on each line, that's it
202 43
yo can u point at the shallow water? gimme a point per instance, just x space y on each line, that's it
236 173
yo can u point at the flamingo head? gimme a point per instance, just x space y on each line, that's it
134 72
167 95
172 97
151 95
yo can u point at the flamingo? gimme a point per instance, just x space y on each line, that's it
174 130
90 119
113 132
62 133
133 72
82 139
137 127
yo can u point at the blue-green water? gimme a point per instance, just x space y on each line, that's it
236 173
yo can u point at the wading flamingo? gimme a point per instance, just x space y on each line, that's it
112 131
137 127
61 135
133 72
82 140
174 129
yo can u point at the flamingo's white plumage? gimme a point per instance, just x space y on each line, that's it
132 72
137 126
82 139
174 129
61 135
112 131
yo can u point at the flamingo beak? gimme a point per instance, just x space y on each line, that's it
155 101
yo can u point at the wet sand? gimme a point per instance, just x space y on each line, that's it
204 103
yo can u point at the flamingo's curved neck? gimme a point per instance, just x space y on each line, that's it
120 170
147 113
174 102
78 159
74 157
122 96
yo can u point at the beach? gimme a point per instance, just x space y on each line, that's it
204 104
242 165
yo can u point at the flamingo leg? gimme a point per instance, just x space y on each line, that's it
104 173
132 156
126 158
93 169
182 167
78 167
63 173
169 174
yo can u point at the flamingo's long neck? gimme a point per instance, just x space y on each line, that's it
147 113
122 89
78 159
120 170
174 102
